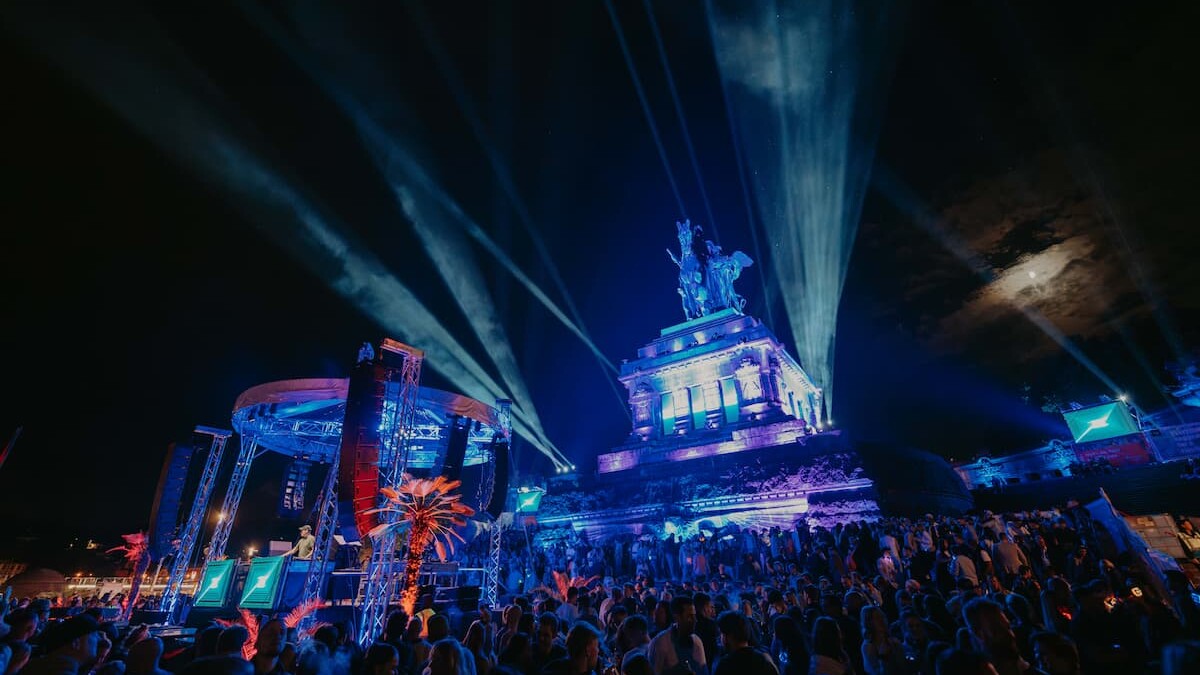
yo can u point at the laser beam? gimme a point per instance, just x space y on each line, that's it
154 87
804 80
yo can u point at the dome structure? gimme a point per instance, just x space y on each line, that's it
913 482
36 582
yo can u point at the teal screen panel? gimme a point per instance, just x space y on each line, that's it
213 588
263 583
1100 422
528 502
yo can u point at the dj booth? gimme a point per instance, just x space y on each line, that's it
265 584
272 583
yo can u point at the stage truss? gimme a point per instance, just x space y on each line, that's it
379 583
195 521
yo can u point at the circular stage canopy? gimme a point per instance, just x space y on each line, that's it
303 418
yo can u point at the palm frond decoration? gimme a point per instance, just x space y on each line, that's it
429 509
137 553
136 545
563 583
294 617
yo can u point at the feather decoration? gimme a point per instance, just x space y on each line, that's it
294 617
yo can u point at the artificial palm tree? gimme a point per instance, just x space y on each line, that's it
137 553
430 510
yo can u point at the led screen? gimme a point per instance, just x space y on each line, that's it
214 585
263 582
528 502
1097 423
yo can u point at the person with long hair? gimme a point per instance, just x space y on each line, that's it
477 645
828 657
447 657
882 654
788 648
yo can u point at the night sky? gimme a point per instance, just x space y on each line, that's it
1054 141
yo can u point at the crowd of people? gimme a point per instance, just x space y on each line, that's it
990 593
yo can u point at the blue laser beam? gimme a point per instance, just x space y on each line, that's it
154 87
804 81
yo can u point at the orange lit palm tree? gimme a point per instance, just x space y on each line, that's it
430 510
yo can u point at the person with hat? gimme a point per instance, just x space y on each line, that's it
303 550
72 647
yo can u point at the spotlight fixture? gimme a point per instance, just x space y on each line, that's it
1123 398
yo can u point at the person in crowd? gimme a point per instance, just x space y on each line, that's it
268 645
882 654
588 614
547 647
1054 654
632 637
963 567
1007 557
517 657
706 625
424 613
232 640
678 649
583 653
420 647
788 646
71 647
18 657
1104 644
22 625
511 619
616 616
447 657
477 645
992 636
739 656
437 628
394 634
144 656
568 611
616 596
828 653
1189 537
382 658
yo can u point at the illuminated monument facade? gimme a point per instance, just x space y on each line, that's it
725 423
718 384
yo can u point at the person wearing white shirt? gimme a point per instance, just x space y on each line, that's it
678 649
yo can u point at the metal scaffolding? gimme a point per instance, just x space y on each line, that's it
491 568
379 583
233 497
314 580
191 528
